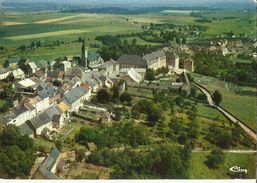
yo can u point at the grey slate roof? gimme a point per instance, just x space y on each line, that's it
48 164
93 56
41 64
132 60
25 129
45 117
150 58
48 92
74 94
40 120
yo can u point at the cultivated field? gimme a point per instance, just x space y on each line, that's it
18 28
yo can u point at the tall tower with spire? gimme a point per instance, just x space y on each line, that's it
84 54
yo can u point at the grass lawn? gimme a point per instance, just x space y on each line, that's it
235 98
198 169
141 93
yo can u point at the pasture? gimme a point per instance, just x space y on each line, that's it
199 170
240 101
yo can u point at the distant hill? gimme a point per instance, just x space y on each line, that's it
82 4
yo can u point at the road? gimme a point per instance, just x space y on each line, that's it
229 151
250 132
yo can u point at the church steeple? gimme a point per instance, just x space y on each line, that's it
84 53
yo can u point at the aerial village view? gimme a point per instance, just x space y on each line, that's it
128 91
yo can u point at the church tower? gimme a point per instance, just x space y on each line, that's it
84 54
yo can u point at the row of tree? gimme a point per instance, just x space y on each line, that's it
161 162
110 137
16 152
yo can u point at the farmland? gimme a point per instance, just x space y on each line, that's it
21 28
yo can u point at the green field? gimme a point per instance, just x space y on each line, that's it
240 101
198 169
19 28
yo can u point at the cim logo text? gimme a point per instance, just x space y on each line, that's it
238 169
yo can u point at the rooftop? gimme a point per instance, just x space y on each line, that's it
132 60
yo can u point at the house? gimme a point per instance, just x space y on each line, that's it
75 98
21 114
42 64
41 74
62 66
132 61
140 71
94 60
47 169
73 72
25 129
63 165
156 60
107 82
48 92
74 82
4 73
189 65
40 104
55 75
51 119
26 85
131 77
12 61
32 67
111 68
93 80
65 109
172 57
51 65
18 74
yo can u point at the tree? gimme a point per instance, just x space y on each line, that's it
134 41
16 152
168 163
59 144
15 162
80 154
219 136
116 92
155 113
178 40
182 138
215 159
149 75
125 97
103 96
236 134
217 97
184 40
86 135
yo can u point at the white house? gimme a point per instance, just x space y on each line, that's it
75 98
52 119
18 74
4 73
32 67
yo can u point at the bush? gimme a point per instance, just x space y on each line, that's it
215 159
